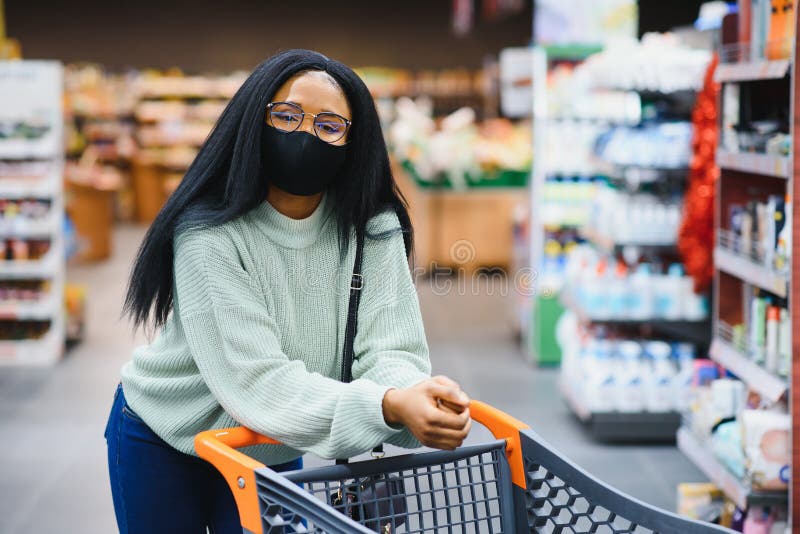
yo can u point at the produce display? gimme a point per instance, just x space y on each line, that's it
458 152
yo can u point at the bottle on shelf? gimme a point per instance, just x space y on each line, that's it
659 390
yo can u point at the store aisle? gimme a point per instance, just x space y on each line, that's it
52 457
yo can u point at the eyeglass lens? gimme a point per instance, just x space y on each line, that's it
329 127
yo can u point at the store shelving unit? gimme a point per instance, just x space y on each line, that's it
750 271
621 427
756 377
174 116
745 178
539 315
32 168
736 490
751 70
766 164
610 246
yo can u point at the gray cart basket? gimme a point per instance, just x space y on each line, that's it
517 483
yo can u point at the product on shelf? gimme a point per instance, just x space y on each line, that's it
664 145
458 151
767 444
660 62
761 232
575 158
605 289
749 441
608 372
634 218
21 330
14 291
765 335
567 201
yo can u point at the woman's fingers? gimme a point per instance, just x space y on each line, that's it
447 419
456 398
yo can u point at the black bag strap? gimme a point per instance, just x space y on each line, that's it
351 327
356 285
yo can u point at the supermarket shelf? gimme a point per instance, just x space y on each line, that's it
44 187
569 302
755 376
735 489
607 244
698 332
755 70
750 271
24 227
44 351
16 149
766 164
30 311
619 427
642 174
47 267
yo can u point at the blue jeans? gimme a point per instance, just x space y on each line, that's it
158 489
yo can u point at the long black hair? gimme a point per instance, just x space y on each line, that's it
225 179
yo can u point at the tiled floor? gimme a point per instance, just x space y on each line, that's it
52 456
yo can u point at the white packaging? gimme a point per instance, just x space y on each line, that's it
695 307
727 397
767 445
600 384
630 389
683 393
659 386
640 298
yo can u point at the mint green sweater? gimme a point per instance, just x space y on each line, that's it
255 338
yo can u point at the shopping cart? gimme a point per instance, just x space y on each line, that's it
516 483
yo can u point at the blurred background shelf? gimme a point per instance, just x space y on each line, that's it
759 379
750 71
734 489
751 272
621 427
766 164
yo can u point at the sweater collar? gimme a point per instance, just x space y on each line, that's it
288 232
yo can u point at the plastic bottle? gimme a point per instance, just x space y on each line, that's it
600 378
618 292
640 296
758 328
630 384
597 301
682 382
771 355
784 344
659 390
695 306
669 305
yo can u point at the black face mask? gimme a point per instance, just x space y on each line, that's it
300 163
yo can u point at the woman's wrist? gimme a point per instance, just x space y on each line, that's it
391 407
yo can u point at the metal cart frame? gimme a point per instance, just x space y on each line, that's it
517 483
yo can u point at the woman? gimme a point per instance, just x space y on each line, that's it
246 272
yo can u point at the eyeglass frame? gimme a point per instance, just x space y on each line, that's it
347 122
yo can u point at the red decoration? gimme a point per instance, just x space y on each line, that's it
696 236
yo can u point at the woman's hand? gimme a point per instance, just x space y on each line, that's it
436 411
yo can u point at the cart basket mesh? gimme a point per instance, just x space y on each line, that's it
468 490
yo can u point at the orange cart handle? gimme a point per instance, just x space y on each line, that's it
218 447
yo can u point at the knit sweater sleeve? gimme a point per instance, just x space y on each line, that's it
390 346
235 344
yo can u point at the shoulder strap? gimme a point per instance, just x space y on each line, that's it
356 284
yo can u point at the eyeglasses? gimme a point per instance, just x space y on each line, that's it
287 117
